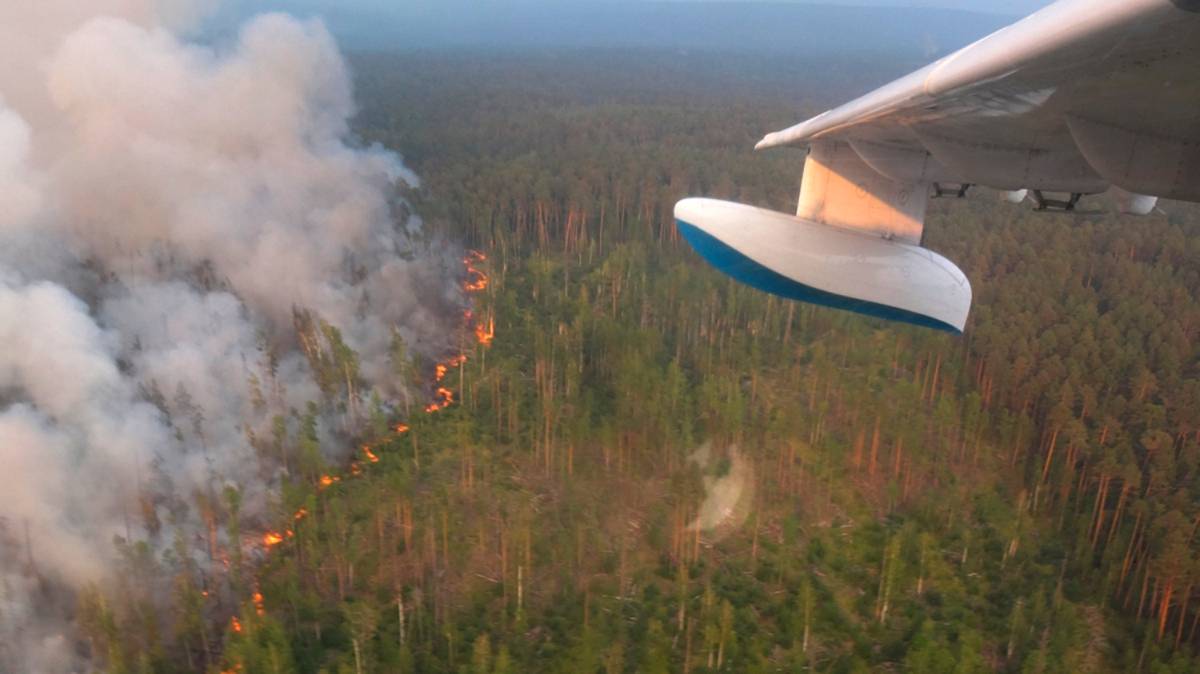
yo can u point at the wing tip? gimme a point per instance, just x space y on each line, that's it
775 139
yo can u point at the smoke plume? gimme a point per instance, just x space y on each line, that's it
180 227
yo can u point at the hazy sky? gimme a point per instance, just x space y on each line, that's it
1001 6
765 25
998 6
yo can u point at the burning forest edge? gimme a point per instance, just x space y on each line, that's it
476 281
153 238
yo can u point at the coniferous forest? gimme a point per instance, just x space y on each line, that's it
641 466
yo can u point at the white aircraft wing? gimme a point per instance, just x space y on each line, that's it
1080 96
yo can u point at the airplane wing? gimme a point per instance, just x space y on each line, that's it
1078 98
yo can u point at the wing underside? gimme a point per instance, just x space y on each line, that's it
1084 95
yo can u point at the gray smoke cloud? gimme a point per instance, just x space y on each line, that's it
164 208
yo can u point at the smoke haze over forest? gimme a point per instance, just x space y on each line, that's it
788 28
187 242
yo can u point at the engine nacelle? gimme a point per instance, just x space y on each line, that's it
823 264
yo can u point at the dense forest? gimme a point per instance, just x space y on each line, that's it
630 463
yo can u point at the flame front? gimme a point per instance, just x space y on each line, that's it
445 398
476 279
484 335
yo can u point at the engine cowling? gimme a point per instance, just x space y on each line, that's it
823 264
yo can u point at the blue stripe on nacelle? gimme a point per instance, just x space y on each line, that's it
755 275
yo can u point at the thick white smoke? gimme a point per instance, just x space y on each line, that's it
165 207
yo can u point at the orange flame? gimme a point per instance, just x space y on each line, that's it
445 398
300 514
478 282
442 369
476 279
235 624
371 456
401 428
327 480
484 335
271 539
258 603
